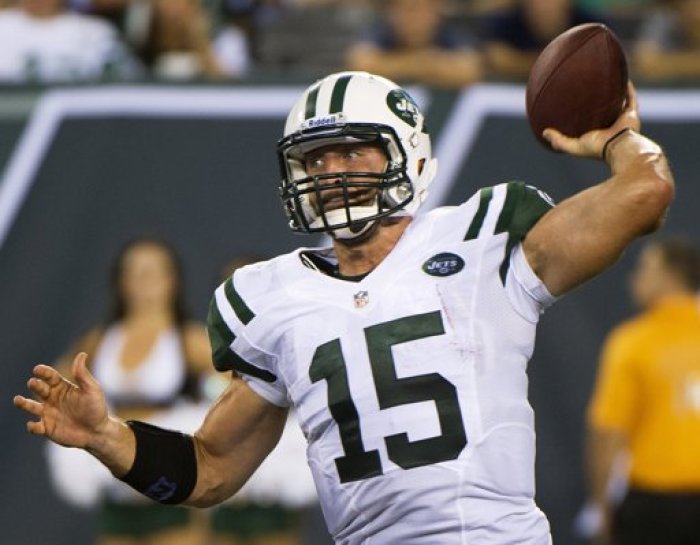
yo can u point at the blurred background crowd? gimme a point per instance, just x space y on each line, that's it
442 43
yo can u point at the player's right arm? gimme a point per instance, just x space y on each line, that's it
239 431
587 232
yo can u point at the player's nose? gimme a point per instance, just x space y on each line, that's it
333 170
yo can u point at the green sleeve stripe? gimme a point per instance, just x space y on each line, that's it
225 359
505 264
311 100
522 209
338 94
220 337
485 196
244 313
239 364
230 361
513 193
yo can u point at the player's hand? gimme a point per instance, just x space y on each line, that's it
69 414
591 144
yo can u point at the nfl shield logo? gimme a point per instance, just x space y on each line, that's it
361 299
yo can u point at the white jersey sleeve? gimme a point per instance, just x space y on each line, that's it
514 208
233 328
526 292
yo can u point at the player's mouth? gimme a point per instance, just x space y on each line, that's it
334 199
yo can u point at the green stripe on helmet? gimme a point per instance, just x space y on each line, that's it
338 94
311 100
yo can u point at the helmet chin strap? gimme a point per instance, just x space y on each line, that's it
357 233
359 227
364 230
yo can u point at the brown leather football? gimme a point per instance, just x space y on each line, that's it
578 83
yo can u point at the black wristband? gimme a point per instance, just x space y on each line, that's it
165 466
611 139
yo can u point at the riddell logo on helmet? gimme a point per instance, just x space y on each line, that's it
403 106
323 121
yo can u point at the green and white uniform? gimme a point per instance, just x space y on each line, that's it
410 384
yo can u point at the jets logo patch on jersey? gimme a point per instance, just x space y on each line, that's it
444 264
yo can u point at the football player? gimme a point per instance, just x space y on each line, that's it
403 345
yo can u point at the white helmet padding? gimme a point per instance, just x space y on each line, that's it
354 107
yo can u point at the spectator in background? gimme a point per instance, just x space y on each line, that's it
178 44
646 405
151 360
113 10
514 37
668 44
41 41
615 5
414 44
232 45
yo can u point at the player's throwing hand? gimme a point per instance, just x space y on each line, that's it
68 414
592 144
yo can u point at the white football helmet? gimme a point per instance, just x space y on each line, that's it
354 107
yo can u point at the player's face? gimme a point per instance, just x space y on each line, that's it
147 277
345 158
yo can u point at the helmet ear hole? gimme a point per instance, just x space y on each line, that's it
421 165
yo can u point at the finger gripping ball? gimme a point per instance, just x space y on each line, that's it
578 82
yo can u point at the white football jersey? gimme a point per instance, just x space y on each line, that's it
410 383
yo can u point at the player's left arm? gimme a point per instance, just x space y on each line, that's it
239 431
586 233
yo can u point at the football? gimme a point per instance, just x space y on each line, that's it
578 82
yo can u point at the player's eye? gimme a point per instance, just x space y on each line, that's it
314 163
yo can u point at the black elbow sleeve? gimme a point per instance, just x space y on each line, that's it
165 466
